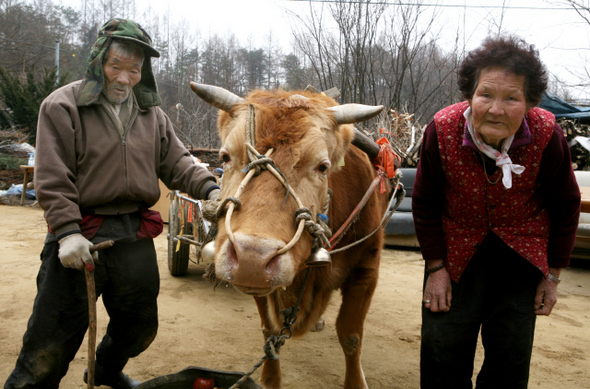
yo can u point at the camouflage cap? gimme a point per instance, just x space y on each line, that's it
146 90
129 30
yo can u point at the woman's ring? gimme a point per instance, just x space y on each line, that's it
426 301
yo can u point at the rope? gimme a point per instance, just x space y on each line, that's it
221 209
257 163
274 343
271 351
315 229
251 132
342 230
399 196
263 162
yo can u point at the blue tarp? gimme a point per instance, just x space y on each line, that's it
17 190
562 109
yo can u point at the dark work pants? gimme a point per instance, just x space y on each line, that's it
126 276
495 294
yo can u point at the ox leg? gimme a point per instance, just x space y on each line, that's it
271 370
356 299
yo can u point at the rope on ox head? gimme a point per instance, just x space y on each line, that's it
257 163
251 137
315 229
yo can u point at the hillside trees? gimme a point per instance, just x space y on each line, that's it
379 53
373 52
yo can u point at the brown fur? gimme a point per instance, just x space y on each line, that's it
301 131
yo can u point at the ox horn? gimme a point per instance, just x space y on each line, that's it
355 113
216 96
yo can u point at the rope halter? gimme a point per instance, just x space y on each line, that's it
258 162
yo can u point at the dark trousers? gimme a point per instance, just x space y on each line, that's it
126 276
495 294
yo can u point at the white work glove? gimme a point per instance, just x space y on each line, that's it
74 252
209 206
214 194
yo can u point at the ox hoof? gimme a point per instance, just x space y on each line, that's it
319 326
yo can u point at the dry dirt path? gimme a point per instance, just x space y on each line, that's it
219 329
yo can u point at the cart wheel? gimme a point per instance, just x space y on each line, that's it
177 260
200 235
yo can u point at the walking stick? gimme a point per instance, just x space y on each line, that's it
91 291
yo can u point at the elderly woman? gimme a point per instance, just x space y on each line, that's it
496 207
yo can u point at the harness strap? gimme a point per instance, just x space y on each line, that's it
338 235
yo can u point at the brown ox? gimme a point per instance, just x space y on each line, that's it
309 146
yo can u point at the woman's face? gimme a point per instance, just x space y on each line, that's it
498 105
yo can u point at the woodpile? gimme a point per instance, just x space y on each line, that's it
580 155
405 137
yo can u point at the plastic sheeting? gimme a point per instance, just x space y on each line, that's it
562 109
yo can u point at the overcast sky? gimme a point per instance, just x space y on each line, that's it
561 36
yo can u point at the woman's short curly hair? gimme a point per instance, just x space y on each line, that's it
510 53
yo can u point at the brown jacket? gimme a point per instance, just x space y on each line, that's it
83 163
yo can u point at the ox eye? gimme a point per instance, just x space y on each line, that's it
323 167
224 156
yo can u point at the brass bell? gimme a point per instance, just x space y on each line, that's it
208 251
319 257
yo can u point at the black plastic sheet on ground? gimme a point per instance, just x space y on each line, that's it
185 378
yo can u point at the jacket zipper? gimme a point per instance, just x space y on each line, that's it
124 137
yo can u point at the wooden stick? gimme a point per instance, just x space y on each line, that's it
91 292
101 246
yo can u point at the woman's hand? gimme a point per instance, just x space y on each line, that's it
437 292
546 296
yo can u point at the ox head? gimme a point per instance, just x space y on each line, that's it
306 135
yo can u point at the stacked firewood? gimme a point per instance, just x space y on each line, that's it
405 136
580 154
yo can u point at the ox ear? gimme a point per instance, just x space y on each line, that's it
216 96
355 113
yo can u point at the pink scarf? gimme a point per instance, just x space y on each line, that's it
502 159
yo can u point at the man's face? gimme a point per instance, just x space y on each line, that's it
122 72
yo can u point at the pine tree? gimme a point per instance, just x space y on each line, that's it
22 98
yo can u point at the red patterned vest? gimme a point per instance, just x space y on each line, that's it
473 206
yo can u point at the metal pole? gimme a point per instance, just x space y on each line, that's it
57 61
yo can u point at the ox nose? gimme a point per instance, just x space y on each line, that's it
253 262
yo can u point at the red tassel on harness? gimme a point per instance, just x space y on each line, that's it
386 160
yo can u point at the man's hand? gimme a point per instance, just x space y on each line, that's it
546 295
74 252
214 194
438 292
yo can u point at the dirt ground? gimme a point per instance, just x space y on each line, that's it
220 328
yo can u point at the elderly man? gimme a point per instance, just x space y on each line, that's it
102 144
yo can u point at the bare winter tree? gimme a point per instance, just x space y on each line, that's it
191 123
273 56
417 73
582 7
379 53
344 58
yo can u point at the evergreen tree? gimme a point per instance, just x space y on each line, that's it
22 98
